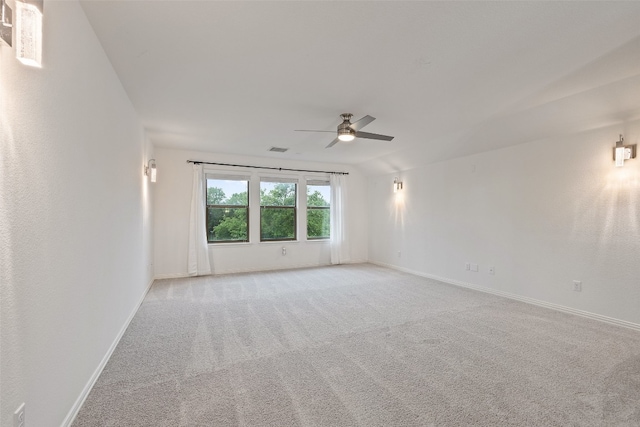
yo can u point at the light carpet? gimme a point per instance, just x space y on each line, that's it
360 345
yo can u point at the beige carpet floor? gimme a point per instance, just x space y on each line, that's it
360 345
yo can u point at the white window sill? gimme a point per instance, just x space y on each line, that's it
224 244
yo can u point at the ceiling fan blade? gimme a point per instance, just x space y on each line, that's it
362 122
307 130
373 136
334 142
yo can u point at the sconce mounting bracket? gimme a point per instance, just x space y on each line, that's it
6 23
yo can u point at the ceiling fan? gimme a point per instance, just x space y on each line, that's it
347 131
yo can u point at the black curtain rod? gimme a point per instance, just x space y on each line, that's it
196 162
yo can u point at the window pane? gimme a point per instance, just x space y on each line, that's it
318 224
227 210
277 194
227 192
318 216
277 223
277 210
318 195
227 224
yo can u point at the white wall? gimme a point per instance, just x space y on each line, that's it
75 217
173 200
543 213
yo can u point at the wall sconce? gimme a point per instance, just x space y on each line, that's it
623 152
28 34
150 170
397 184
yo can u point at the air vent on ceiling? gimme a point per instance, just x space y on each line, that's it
278 149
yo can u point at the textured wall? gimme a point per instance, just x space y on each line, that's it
75 235
173 201
543 214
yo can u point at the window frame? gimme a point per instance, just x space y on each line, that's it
224 177
317 183
278 180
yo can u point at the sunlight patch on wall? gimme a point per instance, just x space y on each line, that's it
621 193
398 208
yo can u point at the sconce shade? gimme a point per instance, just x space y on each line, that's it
151 170
28 34
619 156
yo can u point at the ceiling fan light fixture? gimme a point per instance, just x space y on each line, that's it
345 133
346 137
348 131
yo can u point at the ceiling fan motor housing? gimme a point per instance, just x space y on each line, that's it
345 133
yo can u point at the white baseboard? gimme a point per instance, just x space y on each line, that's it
87 388
516 297
252 270
275 268
171 276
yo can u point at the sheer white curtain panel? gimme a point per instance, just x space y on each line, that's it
198 259
338 213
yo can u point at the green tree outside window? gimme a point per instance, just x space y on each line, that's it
318 211
277 211
227 217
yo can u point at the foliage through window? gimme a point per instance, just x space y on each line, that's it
318 210
277 210
227 210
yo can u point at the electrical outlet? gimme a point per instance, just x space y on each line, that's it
474 267
577 285
284 250
492 270
18 416
467 266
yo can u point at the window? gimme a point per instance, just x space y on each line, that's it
227 209
318 208
277 209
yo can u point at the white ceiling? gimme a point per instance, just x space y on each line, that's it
445 78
